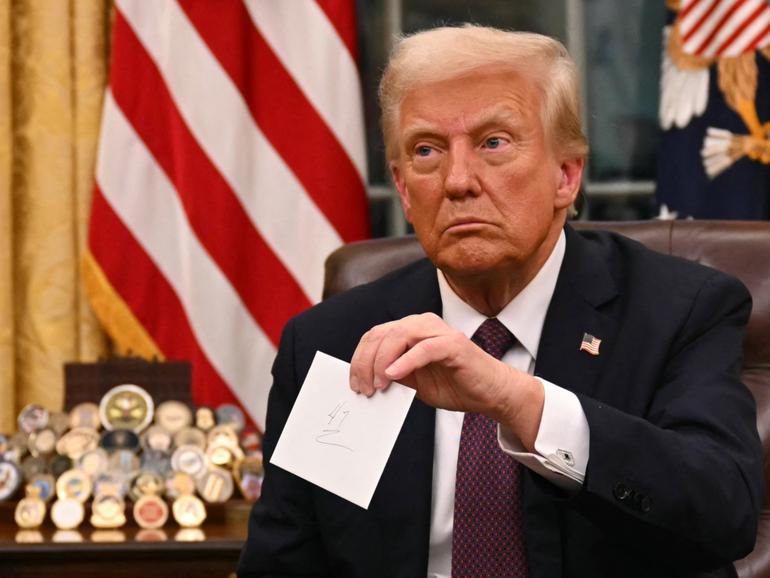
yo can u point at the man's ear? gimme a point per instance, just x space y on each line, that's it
403 191
569 182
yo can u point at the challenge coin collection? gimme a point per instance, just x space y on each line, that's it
126 453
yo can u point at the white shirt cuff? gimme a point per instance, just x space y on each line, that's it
562 442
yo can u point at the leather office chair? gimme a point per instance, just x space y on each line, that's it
741 249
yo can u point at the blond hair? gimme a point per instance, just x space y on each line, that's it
449 52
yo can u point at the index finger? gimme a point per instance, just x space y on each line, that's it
384 344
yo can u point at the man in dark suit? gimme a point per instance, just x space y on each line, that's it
579 411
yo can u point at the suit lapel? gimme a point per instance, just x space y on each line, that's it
584 286
417 293
402 501
578 306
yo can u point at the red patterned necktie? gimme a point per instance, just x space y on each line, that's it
488 532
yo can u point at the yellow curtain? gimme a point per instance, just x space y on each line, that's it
53 71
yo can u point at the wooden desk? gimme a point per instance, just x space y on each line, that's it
128 552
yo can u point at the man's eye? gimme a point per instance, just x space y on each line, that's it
423 150
493 142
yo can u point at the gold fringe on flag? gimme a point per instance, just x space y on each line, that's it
116 317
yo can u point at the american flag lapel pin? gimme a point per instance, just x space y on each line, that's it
590 344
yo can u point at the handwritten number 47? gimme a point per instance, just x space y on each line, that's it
331 435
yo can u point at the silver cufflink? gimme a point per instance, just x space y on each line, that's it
566 457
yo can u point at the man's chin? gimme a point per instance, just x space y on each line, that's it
461 260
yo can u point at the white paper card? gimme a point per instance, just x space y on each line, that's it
338 439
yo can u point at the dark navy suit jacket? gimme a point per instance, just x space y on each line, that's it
674 480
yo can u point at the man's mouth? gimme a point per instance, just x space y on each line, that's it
461 225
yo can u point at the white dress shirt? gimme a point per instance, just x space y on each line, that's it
562 441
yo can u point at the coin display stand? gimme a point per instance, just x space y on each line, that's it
88 382
127 466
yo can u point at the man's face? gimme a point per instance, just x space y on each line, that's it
476 176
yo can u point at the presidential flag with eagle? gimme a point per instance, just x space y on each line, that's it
714 159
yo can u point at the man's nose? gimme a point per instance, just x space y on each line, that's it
461 172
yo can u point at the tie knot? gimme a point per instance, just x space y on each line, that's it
494 338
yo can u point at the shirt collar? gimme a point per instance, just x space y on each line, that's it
523 316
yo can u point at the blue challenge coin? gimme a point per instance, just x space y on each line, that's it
45 484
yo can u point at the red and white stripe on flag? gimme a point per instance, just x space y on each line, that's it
231 162
712 28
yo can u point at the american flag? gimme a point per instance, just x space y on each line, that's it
711 28
231 163
590 344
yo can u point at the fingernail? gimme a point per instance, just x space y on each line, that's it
355 384
390 371
378 384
